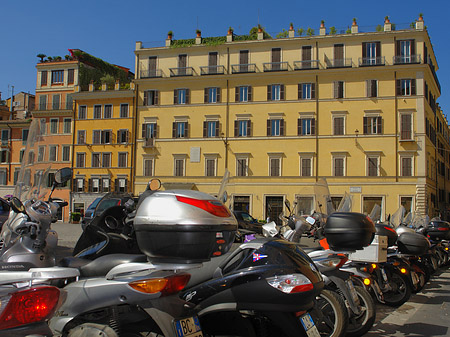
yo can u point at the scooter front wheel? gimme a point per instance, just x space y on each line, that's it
330 314
360 324
400 291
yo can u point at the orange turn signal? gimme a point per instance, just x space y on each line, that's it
367 281
403 270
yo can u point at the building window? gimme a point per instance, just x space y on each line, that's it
149 130
5 136
108 111
406 87
306 126
81 139
373 125
82 112
78 185
371 53
210 167
406 127
373 166
305 166
151 97
66 153
53 125
181 96
21 153
52 156
338 166
372 88
94 185
56 99
67 125
106 136
122 136
95 160
97 111
305 205
43 126
96 136
3 177
212 95
123 159
179 167
106 159
44 76
24 136
338 89
275 166
148 167
70 76
405 51
338 125
275 127
121 185
275 92
242 128
57 76
407 202
124 110
180 130
242 167
406 166
4 156
243 94
369 203
306 91
210 129
81 159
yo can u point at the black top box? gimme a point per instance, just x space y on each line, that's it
349 231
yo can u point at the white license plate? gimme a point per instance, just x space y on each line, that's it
353 292
309 326
188 327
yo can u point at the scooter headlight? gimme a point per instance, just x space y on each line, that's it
290 284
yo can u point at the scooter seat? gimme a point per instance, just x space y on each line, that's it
102 265
311 249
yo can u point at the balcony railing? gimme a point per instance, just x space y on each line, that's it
55 106
433 71
243 68
275 66
305 65
372 61
184 71
410 59
339 63
212 70
149 142
154 73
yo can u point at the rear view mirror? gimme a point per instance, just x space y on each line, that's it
17 205
63 175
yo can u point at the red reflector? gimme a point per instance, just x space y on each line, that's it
217 253
29 306
214 207
443 229
302 287
220 241
390 229
300 313
176 283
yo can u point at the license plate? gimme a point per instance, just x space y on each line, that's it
309 326
353 292
188 327
384 275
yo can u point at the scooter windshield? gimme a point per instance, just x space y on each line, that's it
33 178
324 204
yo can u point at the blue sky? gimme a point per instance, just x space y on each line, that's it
109 28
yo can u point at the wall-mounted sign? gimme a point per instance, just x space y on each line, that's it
355 189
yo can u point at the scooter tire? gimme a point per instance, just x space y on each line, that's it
401 294
330 314
358 326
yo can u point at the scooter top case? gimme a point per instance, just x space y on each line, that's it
413 243
264 274
349 231
183 226
438 230
386 230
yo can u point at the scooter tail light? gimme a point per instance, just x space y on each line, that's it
336 262
290 284
211 206
164 285
443 229
28 306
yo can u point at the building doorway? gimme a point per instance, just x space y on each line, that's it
274 206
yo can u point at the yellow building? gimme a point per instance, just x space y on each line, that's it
358 109
104 126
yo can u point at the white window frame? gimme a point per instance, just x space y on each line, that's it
246 159
179 159
306 156
82 112
111 111
51 148
67 121
333 168
373 156
152 160
333 117
411 126
275 92
127 110
280 163
53 120
210 158
306 91
126 159
100 114
69 154
401 157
